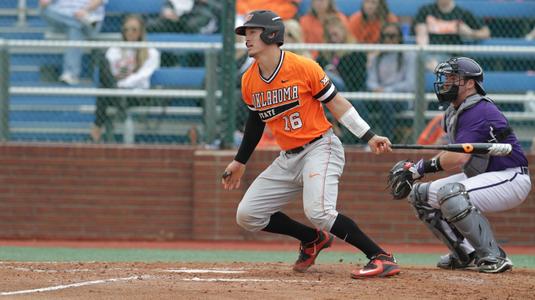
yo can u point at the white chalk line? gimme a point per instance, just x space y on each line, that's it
73 285
200 271
197 279
182 270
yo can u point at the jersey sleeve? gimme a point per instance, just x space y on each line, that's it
246 95
321 86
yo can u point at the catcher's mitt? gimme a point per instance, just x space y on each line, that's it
400 179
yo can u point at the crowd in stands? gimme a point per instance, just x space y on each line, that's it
441 22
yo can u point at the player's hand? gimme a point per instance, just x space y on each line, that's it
417 169
232 176
380 144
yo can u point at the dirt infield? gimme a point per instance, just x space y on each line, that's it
98 280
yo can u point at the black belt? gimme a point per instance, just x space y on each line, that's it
301 148
524 170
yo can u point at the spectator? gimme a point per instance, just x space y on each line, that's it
444 22
313 23
294 35
366 24
127 68
80 20
286 9
188 16
346 69
391 72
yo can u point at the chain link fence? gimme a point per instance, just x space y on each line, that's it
178 100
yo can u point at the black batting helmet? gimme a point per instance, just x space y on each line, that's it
267 20
464 67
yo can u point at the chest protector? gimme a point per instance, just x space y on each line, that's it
477 163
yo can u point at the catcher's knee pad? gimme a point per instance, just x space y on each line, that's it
418 198
249 222
454 201
434 220
457 209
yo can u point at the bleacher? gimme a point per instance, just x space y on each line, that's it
69 119
53 118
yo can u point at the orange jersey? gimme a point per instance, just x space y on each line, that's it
290 100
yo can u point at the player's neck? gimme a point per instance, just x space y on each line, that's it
268 60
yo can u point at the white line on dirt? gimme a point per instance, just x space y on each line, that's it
197 279
73 285
217 271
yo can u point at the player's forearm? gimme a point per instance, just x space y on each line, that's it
451 161
348 116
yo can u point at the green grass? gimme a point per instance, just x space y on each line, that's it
29 254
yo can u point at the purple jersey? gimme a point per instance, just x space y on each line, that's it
474 126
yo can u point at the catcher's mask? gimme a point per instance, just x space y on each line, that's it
450 75
269 21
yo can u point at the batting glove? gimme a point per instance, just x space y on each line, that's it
417 169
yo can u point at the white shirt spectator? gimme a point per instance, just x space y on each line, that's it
123 61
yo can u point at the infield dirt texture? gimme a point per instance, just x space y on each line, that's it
180 271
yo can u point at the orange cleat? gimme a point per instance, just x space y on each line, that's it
381 265
309 252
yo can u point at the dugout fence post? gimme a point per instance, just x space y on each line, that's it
228 75
419 99
210 104
4 91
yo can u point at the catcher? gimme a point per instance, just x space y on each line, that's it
452 207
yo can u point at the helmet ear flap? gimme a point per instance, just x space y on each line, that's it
479 88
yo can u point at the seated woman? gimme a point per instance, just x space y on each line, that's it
346 69
391 72
128 68
366 23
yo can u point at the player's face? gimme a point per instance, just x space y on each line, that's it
253 42
451 80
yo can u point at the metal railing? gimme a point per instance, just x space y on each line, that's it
210 93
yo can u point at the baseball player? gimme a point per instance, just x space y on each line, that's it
287 92
452 207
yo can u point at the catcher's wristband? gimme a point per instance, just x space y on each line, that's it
354 123
432 165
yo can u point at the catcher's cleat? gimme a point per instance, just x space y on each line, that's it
381 265
309 252
450 262
495 265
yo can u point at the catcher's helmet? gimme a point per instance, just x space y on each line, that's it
267 20
464 67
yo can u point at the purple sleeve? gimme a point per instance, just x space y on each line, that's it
474 124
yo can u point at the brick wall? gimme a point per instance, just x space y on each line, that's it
174 193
